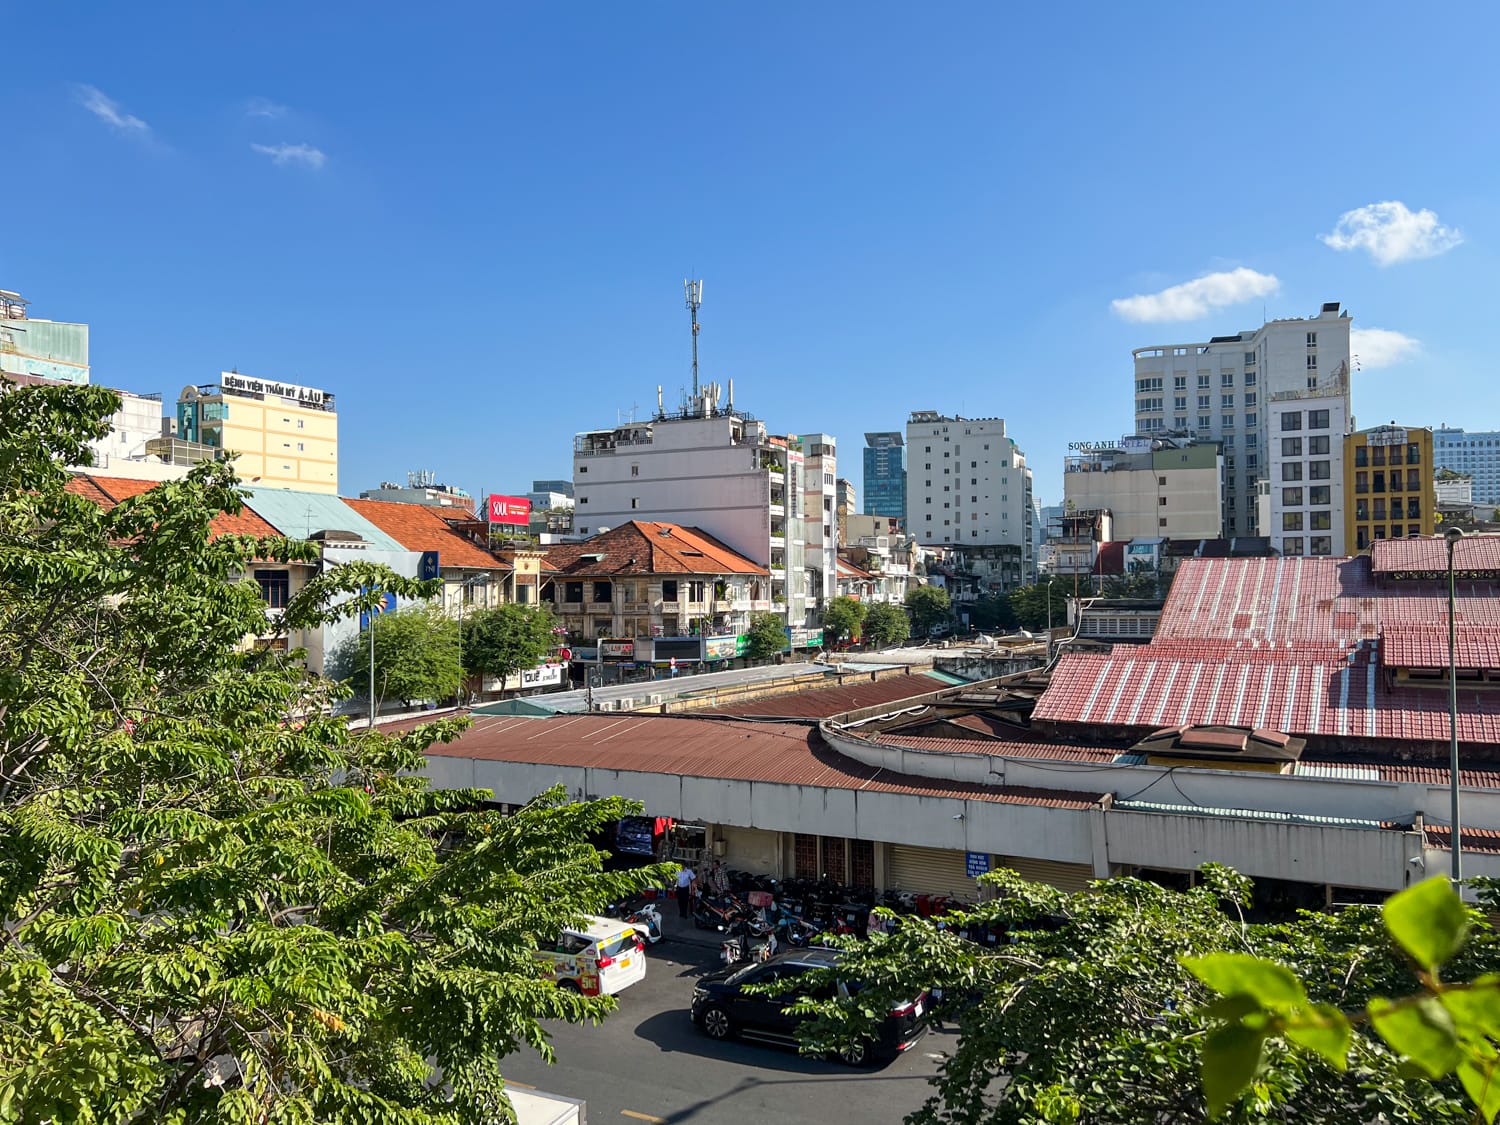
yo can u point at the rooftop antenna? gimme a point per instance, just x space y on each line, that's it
693 290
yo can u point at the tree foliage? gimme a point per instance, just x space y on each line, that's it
842 619
1145 584
1092 1008
886 624
508 639
416 656
928 606
767 636
992 612
216 901
1030 604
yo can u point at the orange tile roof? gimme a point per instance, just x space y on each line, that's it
642 547
109 491
420 528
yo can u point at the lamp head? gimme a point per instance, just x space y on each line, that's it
1453 535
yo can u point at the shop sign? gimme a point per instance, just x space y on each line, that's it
543 675
720 648
616 649
976 863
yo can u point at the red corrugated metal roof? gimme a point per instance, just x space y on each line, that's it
825 702
1426 646
1485 840
418 527
1473 552
1299 695
1004 748
776 753
109 491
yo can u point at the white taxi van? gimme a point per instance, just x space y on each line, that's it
598 959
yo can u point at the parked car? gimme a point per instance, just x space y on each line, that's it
600 958
722 1009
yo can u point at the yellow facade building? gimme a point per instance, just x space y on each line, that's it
286 435
1388 485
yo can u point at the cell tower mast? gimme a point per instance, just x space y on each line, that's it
694 292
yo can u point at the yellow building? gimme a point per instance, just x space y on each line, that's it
287 435
1388 485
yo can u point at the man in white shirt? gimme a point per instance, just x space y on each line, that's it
685 880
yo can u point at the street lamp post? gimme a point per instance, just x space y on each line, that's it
1452 536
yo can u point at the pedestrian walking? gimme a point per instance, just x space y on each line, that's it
714 883
685 881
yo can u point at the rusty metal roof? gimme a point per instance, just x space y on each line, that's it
853 694
777 753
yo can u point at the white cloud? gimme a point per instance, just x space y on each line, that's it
1390 232
108 110
264 107
1381 347
283 155
1196 298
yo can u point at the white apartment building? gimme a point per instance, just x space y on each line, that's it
820 552
1304 439
1220 389
716 468
967 485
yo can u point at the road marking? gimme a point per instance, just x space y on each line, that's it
523 1085
643 1117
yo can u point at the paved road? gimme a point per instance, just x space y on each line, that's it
648 1062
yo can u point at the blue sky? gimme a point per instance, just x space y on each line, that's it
471 221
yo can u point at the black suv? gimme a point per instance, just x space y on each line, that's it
723 1009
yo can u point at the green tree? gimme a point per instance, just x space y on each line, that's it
767 636
1030 604
416 656
993 612
928 606
507 639
1094 1009
217 903
886 624
842 619
1141 584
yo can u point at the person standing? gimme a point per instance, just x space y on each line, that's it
685 880
715 883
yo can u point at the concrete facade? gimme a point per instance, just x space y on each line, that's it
1219 390
1305 432
1388 483
1175 489
287 435
968 485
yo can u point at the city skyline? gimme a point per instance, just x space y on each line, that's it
882 210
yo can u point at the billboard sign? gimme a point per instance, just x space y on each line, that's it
307 396
429 568
544 675
720 648
1387 435
512 510
616 649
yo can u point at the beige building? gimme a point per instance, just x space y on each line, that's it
1153 488
286 435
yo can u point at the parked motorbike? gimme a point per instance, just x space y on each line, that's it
648 919
717 914
749 940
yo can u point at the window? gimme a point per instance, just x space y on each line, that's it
275 587
1161 501
1291 521
1161 521
1161 482
1179 422
1205 422
301 448
1226 379
1179 383
1312 339
1226 402
1202 382
583 499
1318 494
604 591
583 468
1413 454
1249 359
973 464
1249 378
696 591
1319 470
1291 470
1318 446
299 420
635 501
1379 532
1291 420
1292 545
1252 460
1179 402
1251 440
1202 402
1291 447
1226 421
1251 420
573 592
1413 509
1291 497
1317 419
1320 545
1380 507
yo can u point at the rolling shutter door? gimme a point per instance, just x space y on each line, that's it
929 871
1063 876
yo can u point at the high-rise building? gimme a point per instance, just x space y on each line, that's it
1476 453
885 475
968 486
714 467
48 349
287 435
1388 485
1220 389
1303 499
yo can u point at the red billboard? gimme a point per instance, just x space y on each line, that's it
515 510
